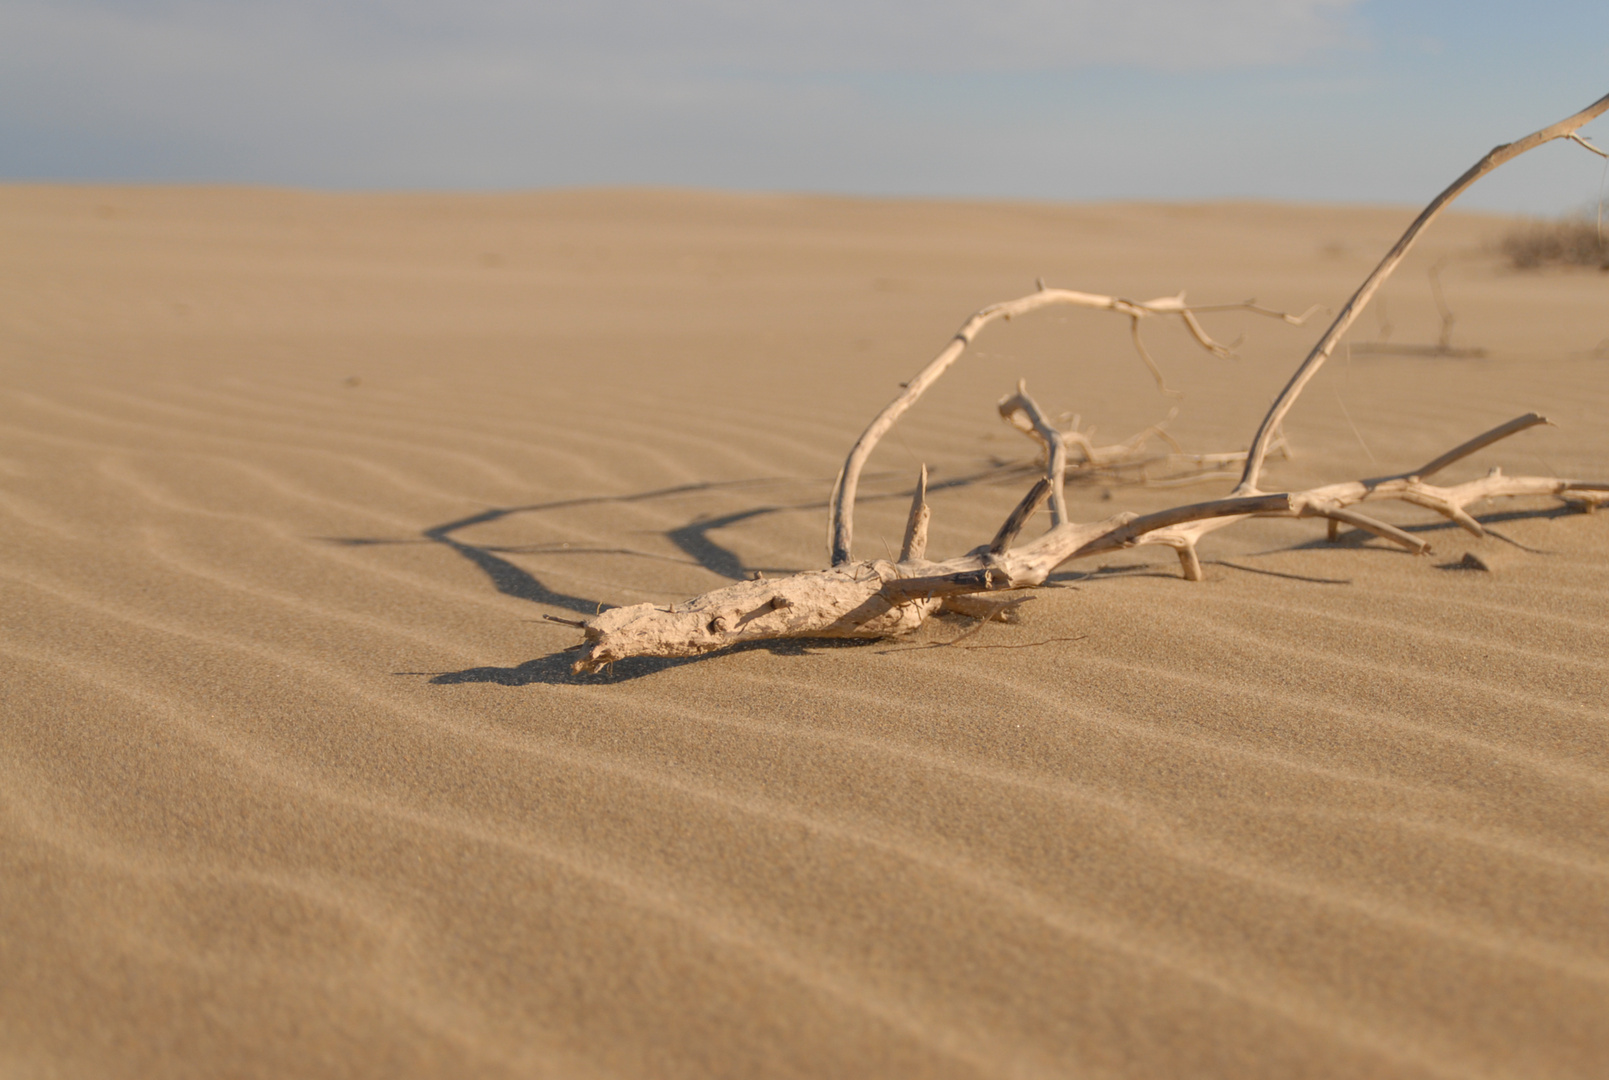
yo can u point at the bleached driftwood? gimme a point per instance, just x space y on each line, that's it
880 597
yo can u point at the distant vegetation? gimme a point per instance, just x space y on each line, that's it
1570 242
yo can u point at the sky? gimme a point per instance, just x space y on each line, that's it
1360 101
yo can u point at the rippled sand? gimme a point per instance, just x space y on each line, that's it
294 781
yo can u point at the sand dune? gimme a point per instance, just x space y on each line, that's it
295 781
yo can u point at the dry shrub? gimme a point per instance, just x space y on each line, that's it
1570 242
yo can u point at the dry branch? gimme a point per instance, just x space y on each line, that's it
1444 341
841 508
881 598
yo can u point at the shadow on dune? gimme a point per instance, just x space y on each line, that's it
554 669
512 580
1358 538
693 539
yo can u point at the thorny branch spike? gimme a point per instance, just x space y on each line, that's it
914 545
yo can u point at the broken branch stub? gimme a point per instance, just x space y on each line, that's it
914 546
882 598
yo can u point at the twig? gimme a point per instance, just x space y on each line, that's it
566 622
1034 423
1573 137
1028 644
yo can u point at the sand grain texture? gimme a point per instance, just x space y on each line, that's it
294 780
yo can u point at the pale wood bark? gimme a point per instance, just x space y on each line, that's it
1023 413
914 546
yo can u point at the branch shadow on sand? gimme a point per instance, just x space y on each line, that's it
1359 538
554 669
513 580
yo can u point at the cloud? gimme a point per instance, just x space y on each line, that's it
941 35
1039 35
385 92
396 39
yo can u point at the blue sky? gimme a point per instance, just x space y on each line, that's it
1336 100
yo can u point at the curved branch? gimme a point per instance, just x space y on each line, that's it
1369 525
841 509
1497 156
1479 442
